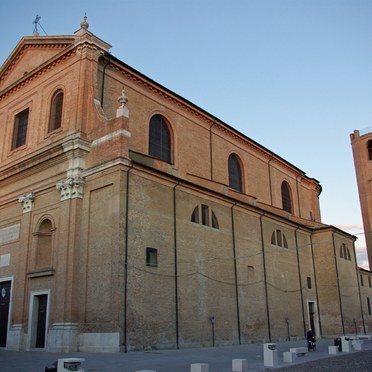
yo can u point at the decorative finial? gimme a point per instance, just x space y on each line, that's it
84 24
123 109
123 99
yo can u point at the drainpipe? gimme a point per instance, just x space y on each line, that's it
265 280
126 265
211 149
175 261
235 271
360 297
300 280
316 286
338 283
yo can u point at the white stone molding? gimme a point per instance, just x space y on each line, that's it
111 136
71 187
27 201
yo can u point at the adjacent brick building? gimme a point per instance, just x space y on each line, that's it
131 218
361 142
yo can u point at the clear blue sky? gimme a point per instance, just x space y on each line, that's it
293 75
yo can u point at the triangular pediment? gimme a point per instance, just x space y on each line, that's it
30 53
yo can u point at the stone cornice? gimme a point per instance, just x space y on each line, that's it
174 99
34 74
42 157
17 57
66 53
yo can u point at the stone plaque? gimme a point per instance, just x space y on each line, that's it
4 260
9 234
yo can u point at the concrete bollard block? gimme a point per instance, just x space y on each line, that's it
332 349
199 367
270 355
289 356
69 364
358 345
239 365
345 344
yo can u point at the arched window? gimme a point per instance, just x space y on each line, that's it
369 150
286 197
205 216
195 215
55 118
159 139
214 221
279 239
44 244
235 173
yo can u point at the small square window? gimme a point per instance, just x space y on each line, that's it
152 257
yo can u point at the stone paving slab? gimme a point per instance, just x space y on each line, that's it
219 359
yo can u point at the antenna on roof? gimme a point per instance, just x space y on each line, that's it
37 22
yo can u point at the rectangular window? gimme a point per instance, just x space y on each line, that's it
308 282
369 281
369 306
152 257
20 129
361 281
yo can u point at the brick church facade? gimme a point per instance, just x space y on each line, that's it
131 218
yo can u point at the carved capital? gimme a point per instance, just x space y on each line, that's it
27 201
71 187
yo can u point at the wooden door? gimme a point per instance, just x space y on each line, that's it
4 311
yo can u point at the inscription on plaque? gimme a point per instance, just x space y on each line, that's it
9 234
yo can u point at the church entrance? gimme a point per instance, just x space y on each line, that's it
39 320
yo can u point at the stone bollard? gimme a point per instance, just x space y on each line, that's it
270 355
70 364
239 365
358 345
289 356
332 349
199 367
345 344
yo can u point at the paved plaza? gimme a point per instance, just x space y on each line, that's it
219 359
